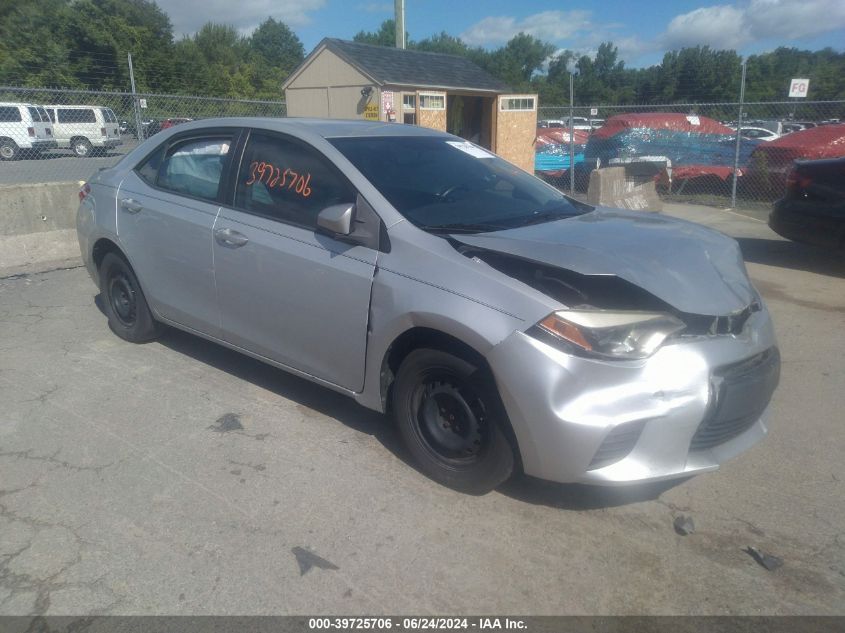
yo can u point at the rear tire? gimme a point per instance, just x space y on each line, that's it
451 420
8 149
129 314
82 147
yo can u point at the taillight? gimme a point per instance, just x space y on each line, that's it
102 131
84 191
30 131
797 182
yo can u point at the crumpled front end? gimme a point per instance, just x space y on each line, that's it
697 402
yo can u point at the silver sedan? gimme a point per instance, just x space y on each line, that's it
505 326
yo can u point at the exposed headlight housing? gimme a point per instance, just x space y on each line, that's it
606 334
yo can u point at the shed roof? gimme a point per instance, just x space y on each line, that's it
396 66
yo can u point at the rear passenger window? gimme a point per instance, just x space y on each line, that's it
194 167
76 115
288 181
148 170
9 114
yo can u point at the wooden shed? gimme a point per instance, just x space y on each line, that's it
349 80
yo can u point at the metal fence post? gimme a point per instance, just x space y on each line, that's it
571 134
135 108
738 135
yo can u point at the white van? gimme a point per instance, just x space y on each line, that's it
25 128
84 129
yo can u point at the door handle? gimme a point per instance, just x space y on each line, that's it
130 206
228 237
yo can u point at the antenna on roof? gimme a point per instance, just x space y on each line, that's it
399 6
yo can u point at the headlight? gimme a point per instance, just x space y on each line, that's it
605 334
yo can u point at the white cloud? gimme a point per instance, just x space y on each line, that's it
719 27
732 26
188 16
789 19
547 25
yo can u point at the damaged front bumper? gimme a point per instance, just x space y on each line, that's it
697 402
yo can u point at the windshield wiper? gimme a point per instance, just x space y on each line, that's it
461 228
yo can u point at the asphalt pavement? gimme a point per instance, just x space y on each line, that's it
178 477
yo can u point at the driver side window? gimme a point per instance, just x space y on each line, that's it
288 181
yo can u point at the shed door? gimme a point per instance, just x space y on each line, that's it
516 128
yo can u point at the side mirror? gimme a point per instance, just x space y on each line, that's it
337 219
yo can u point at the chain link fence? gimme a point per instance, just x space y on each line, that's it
693 151
53 135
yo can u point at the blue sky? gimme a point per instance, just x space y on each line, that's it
642 29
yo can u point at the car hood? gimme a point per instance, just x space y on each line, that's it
693 268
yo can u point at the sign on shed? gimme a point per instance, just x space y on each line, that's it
799 87
371 112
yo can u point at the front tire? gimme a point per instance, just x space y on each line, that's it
126 307
452 422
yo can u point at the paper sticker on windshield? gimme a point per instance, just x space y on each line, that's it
469 148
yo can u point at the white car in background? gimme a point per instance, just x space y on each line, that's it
759 134
25 129
84 129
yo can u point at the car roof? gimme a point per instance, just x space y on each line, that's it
74 107
327 128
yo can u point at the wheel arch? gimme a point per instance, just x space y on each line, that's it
104 246
424 337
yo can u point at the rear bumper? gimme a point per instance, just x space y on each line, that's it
620 422
108 143
804 226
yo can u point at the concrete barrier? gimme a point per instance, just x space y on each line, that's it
38 224
623 188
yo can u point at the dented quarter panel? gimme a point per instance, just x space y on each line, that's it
425 282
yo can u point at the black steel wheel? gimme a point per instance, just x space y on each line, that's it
452 422
126 307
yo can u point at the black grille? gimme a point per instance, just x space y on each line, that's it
618 443
741 392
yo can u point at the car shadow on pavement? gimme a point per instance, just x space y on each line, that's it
347 411
286 385
793 255
582 496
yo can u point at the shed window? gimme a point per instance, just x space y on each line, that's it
432 101
517 103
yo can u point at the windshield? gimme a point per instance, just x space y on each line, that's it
453 185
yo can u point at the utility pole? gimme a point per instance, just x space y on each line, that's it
738 135
399 7
135 104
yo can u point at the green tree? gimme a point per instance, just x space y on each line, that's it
276 52
517 61
384 36
443 43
